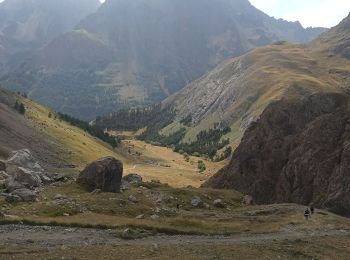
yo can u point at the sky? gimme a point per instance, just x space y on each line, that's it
315 13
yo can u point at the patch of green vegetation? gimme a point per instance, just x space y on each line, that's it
19 107
91 129
201 166
129 119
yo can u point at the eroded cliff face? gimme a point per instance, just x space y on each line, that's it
298 151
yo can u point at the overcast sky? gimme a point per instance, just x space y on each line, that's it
325 13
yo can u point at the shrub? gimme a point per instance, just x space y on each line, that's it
201 166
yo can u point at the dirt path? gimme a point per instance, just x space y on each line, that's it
22 235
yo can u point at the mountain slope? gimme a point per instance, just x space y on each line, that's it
55 143
32 23
26 25
146 50
298 151
237 91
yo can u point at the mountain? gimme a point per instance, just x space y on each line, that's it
33 23
236 92
26 25
297 152
139 52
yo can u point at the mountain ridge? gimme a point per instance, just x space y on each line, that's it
147 51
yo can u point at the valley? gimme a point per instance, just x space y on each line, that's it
158 129
147 212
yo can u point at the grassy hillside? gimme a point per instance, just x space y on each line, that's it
237 91
62 146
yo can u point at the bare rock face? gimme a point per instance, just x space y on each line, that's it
298 151
105 174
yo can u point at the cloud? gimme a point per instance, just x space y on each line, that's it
326 13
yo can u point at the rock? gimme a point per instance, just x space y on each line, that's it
197 202
12 185
60 197
154 248
219 203
154 217
66 214
140 216
132 178
56 177
105 174
297 152
23 158
126 233
25 177
45 179
247 200
2 166
10 198
133 199
97 191
3 175
26 195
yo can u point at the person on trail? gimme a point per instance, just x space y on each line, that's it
307 214
312 210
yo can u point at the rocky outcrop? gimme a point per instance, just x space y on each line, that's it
298 151
23 158
105 174
23 176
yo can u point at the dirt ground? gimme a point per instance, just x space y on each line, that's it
44 242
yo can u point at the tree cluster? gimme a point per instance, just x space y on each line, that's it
20 108
91 129
131 119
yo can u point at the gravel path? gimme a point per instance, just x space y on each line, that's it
23 235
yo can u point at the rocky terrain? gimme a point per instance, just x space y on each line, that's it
22 176
139 52
296 152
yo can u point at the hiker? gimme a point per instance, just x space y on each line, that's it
312 210
177 207
307 214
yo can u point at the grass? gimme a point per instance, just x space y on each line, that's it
115 211
78 148
246 85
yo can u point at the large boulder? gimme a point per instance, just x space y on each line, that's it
298 151
104 174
